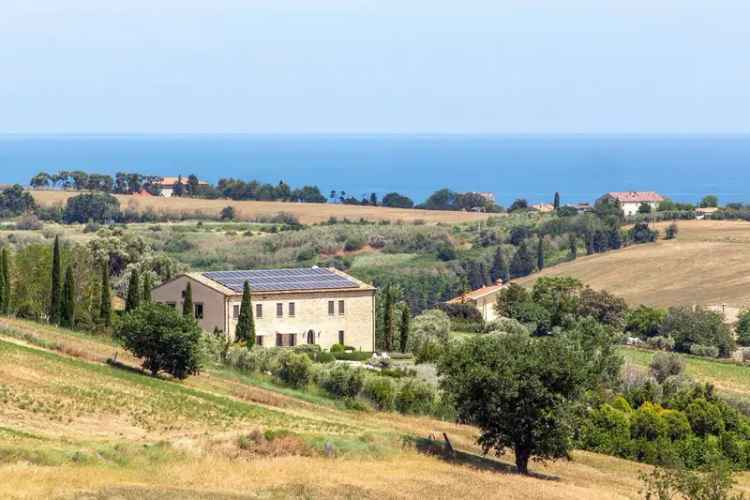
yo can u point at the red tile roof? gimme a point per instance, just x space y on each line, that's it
636 197
476 294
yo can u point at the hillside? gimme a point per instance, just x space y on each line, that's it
708 264
306 213
73 424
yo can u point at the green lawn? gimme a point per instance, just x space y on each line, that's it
727 376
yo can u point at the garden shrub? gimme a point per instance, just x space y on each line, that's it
647 422
660 343
343 381
352 356
607 430
429 335
354 243
707 351
506 325
664 365
326 357
676 424
292 368
381 392
415 397
704 417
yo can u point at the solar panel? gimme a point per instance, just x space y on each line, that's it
282 279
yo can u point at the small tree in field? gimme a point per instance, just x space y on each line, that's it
518 390
246 322
671 232
164 339
540 254
133 299
68 305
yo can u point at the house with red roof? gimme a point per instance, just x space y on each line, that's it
631 201
483 299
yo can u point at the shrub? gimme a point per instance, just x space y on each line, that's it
506 325
460 311
415 397
29 223
343 381
676 424
704 417
96 207
664 365
352 356
647 423
28 311
707 351
165 339
660 343
690 326
292 368
381 392
429 335
354 243
337 348
326 357
228 213
312 351
607 430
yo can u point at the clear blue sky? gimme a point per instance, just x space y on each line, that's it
374 66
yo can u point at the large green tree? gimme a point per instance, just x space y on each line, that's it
164 339
3 280
499 270
523 262
540 254
245 331
105 305
6 302
388 323
56 290
133 298
556 203
146 297
68 303
519 390
404 327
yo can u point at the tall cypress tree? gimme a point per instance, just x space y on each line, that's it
68 303
523 261
146 297
245 331
573 246
105 308
2 282
54 302
557 202
6 305
388 319
133 299
187 302
540 254
499 267
405 327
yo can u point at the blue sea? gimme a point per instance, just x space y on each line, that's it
581 168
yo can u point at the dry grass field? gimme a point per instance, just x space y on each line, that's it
708 264
306 213
72 426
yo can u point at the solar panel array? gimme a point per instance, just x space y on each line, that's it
271 280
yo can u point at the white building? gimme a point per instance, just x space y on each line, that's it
631 201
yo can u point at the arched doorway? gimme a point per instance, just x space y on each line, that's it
310 337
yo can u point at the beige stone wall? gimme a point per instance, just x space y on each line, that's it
213 302
311 313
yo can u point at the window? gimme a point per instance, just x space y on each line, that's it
341 307
310 337
173 305
330 308
258 310
279 310
291 309
236 312
198 310
341 337
259 340
286 339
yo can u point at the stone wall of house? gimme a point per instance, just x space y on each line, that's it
212 301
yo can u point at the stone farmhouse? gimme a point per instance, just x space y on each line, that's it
290 306
483 299
631 201
167 185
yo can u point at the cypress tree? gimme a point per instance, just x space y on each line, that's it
105 308
523 261
557 202
187 302
405 327
2 282
540 254
133 299
245 331
388 319
68 303
54 302
6 282
499 267
573 246
146 297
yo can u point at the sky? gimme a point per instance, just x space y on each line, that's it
375 66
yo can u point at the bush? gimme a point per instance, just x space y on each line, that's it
228 213
506 325
354 243
381 392
28 311
707 351
665 365
343 381
660 343
165 339
96 207
415 397
461 311
704 417
312 351
29 223
429 335
690 326
337 348
647 423
607 430
326 357
352 356
292 368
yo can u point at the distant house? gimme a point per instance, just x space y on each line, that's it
544 208
291 306
581 208
167 185
631 201
483 299
702 212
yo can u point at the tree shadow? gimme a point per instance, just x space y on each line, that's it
442 450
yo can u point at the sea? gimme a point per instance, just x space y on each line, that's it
580 167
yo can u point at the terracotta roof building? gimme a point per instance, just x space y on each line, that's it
631 201
482 298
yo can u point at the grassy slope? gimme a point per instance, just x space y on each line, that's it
709 263
71 423
307 213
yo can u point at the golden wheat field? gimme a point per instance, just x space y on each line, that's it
708 264
306 213
74 427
